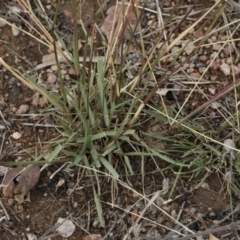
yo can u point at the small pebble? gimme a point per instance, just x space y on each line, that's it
203 58
225 68
16 135
31 236
205 185
216 47
195 74
22 109
51 78
212 214
236 70
54 68
214 55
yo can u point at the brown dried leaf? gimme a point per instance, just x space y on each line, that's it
48 57
8 183
134 214
19 198
60 183
8 190
27 179
195 74
116 16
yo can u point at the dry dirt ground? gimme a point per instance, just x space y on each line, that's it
67 194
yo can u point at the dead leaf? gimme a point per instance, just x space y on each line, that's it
8 183
195 75
134 214
116 16
59 184
19 181
27 179
48 57
19 198
8 190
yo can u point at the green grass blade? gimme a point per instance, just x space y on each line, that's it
103 101
110 149
129 166
55 153
95 157
87 106
98 207
109 167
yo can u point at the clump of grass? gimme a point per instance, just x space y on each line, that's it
98 117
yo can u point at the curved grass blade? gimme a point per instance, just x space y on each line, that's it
98 207
102 92
95 157
55 153
109 167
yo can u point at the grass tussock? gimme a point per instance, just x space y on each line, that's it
101 116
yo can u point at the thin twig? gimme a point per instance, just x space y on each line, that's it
215 225
5 211
111 228
142 213
230 226
169 235
226 90
5 121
